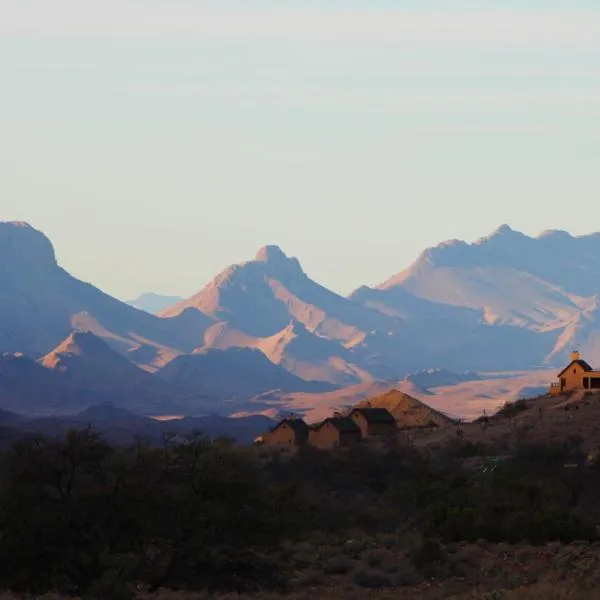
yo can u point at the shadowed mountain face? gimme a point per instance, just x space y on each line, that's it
279 291
41 304
97 373
506 302
234 374
27 387
83 371
154 303
525 300
437 313
270 304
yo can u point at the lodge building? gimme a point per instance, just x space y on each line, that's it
289 432
335 432
577 375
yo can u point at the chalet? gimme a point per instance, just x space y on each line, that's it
577 375
289 432
374 421
335 432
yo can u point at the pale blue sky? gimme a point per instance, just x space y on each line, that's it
157 141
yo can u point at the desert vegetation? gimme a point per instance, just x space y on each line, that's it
79 517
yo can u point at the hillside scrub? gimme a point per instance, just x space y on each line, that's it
80 517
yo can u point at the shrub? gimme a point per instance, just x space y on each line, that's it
428 552
375 558
406 573
511 409
372 579
338 565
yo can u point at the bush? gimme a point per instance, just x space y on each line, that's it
375 558
185 515
372 579
338 565
512 409
428 552
86 519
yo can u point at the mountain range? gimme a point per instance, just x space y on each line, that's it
506 302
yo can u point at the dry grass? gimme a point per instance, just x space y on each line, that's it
560 416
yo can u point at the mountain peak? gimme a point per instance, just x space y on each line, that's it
501 233
78 343
271 253
84 340
24 248
276 259
21 224
504 229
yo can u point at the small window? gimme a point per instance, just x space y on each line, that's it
574 371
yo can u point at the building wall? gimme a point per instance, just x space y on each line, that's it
383 428
284 435
373 429
572 379
325 438
350 438
360 420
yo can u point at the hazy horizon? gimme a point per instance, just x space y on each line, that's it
157 142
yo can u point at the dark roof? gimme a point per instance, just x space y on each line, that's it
585 366
376 415
342 424
298 425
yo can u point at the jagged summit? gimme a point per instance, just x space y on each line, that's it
270 253
276 260
502 234
504 229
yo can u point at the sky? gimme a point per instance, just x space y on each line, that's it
157 141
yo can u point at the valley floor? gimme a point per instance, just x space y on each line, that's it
467 400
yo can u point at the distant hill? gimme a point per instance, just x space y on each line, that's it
8 418
235 374
154 303
408 411
97 373
27 387
120 426
83 371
